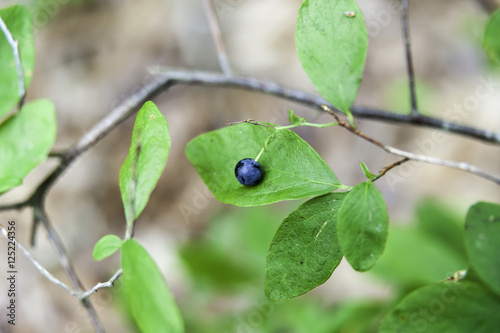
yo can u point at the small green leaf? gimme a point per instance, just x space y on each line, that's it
106 246
151 303
332 48
292 169
367 172
491 42
295 119
18 21
304 251
362 226
145 161
25 141
482 239
462 307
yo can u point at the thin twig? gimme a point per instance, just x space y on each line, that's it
174 77
217 36
40 268
107 284
488 5
15 50
65 261
53 279
389 167
409 60
464 166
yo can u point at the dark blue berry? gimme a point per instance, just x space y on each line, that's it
248 172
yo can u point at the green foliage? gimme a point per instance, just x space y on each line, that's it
106 246
424 252
482 241
413 258
25 141
305 251
367 172
332 48
295 119
292 169
491 42
236 240
441 224
152 305
446 307
145 161
362 226
233 253
18 21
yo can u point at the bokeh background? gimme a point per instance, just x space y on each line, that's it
91 55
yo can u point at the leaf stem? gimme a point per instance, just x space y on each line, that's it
258 156
306 124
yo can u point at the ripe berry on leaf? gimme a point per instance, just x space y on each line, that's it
248 172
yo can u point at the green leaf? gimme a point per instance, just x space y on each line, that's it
295 119
145 161
18 21
482 242
152 305
491 42
292 169
106 246
304 251
362 226
25 141
462 307
367 172
332 48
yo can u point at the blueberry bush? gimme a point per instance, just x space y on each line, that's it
255 163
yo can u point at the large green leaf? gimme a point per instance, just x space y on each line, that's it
453 307
332 48
482 241
25 141
292 169
491 42
18 21
152 305
362 226
305 251
145 161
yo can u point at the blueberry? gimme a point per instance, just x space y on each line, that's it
248 172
